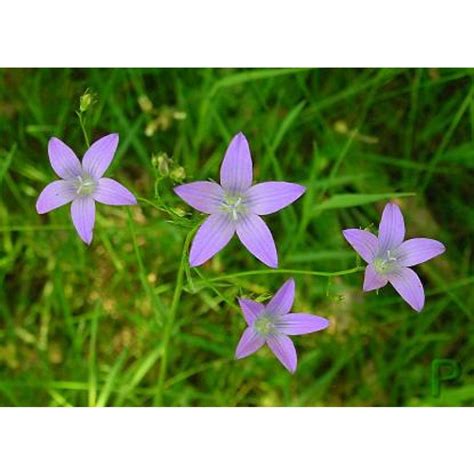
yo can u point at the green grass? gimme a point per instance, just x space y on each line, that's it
126 322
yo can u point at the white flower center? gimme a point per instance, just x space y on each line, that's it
385 263
233 205
85 185
265 325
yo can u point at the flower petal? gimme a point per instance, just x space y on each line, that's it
55 195
373 280
409 286
213 235
257 238
113 193
99 156
236 169
250 309
283 347
249 343
294 324
202 195
363 242
265 198
283 299
391 228
83 217
63 160
415 251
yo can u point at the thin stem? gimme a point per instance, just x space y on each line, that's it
161 208
287 270
83 128
155 302
171 318
150 203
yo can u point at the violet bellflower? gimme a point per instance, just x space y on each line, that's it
82 184
389 256
235 206
272 323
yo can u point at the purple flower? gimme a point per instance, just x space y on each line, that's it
389 257
83 184
235 206
273 323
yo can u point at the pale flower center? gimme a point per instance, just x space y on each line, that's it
85 185
233 205
385 263
265 325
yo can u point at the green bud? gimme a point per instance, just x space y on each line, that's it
145 104
178 115
162 163
180 212
178 174
86 100
151 128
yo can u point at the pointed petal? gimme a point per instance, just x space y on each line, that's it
373 280
236 169
409 287
415 251
113 193
99 156
250 309
391 228
282 301
265 198
257 238
213 235
284 349
363 242
83 217
295 324
202 195
249 343
55 195
63 160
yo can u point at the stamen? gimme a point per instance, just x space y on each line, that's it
265 325
85 185
386 263
234 206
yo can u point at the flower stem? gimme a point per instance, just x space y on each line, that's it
285 270
156 304
83 128
171 318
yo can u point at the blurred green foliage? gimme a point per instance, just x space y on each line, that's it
87 326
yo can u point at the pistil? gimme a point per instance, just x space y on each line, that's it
265 325
234 206
85 185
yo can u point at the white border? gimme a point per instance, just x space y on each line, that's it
245 33
213 440
252 33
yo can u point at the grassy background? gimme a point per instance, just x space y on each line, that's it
93 326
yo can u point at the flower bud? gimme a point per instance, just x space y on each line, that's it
179 211
178 174
179 115
150 129
145 104
86 100
162 163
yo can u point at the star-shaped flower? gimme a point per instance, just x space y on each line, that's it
83 184
235 206
271 324
389 257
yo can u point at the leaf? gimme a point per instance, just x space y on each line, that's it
6 163
339 201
